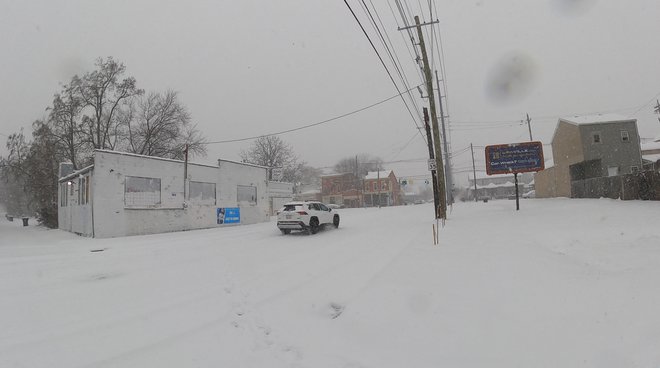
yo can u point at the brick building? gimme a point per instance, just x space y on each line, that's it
381 188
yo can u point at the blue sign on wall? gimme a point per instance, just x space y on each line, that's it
514 158
228 215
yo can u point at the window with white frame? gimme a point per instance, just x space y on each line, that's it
202 193
141 192
625 137
246 194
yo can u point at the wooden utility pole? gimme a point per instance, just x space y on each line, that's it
529 126
448 175
185 172
434 176
441 209
474 172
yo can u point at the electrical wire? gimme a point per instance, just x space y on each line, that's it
310 125
394 58
384 66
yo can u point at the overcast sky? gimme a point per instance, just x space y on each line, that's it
246 68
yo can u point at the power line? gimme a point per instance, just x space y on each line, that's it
384 66
391 51
313 124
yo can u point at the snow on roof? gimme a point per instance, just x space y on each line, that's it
165 159
653 157
76 173
375 174
650 146
335 174
595 119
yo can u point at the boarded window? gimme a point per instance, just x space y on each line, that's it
246 194
202 193
141 192
87 190
81 191
596 137
63 194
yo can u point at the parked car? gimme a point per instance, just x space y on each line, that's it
334 206
530 194
307 216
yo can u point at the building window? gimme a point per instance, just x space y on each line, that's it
624 136
202 193
63 194
383 186
141 192
596 137
81 191
246 194
634 169
87 190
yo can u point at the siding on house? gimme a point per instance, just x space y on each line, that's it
134 195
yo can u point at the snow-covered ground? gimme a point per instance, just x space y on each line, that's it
561 283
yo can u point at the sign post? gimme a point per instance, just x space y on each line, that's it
513 159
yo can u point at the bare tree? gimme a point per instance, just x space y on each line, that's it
159 125
102 92
42 165
65 125
272 151
359 165
15 175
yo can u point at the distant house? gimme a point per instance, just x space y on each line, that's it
587 147
279 193
381 188
651 154
126 194
500 186
341 189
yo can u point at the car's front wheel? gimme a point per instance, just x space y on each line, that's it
335 221
285 231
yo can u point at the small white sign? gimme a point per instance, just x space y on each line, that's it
277 173
432 165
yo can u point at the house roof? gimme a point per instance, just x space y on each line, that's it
650 146
652 157
336 174
84 170
595 119
376 175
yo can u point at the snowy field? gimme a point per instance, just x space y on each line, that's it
561 283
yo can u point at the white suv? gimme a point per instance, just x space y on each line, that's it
305 216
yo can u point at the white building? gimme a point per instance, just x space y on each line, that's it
126 194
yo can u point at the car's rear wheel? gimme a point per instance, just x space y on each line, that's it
285 231
313 226
335 221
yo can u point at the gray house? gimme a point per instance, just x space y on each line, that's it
586 147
